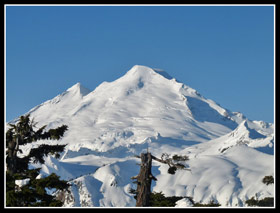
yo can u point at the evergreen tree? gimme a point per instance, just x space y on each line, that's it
158 199
34 192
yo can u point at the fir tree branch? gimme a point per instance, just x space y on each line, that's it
44 150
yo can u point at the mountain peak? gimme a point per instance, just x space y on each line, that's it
78 88
75 87
141 70
147 108
243 129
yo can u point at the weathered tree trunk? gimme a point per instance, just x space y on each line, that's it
144 180
12 156
145 177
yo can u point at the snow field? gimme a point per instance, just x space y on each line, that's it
148 109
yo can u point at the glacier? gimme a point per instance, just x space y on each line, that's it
147 109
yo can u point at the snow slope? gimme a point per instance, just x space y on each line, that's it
148 109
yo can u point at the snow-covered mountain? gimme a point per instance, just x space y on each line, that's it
147 108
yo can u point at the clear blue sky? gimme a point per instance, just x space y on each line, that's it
224 52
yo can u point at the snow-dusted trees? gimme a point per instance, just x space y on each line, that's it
34 190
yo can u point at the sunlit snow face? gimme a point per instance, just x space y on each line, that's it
148 109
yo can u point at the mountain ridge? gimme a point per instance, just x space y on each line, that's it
148 109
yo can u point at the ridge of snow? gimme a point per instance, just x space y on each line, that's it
242 135
144 70
148 109
78 88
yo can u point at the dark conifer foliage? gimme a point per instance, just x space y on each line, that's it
35 191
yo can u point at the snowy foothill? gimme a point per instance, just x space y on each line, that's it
147 109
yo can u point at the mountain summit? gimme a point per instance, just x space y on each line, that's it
143 70
147 108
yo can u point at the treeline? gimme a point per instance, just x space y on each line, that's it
158 199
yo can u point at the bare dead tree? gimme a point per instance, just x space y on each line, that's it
145 176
